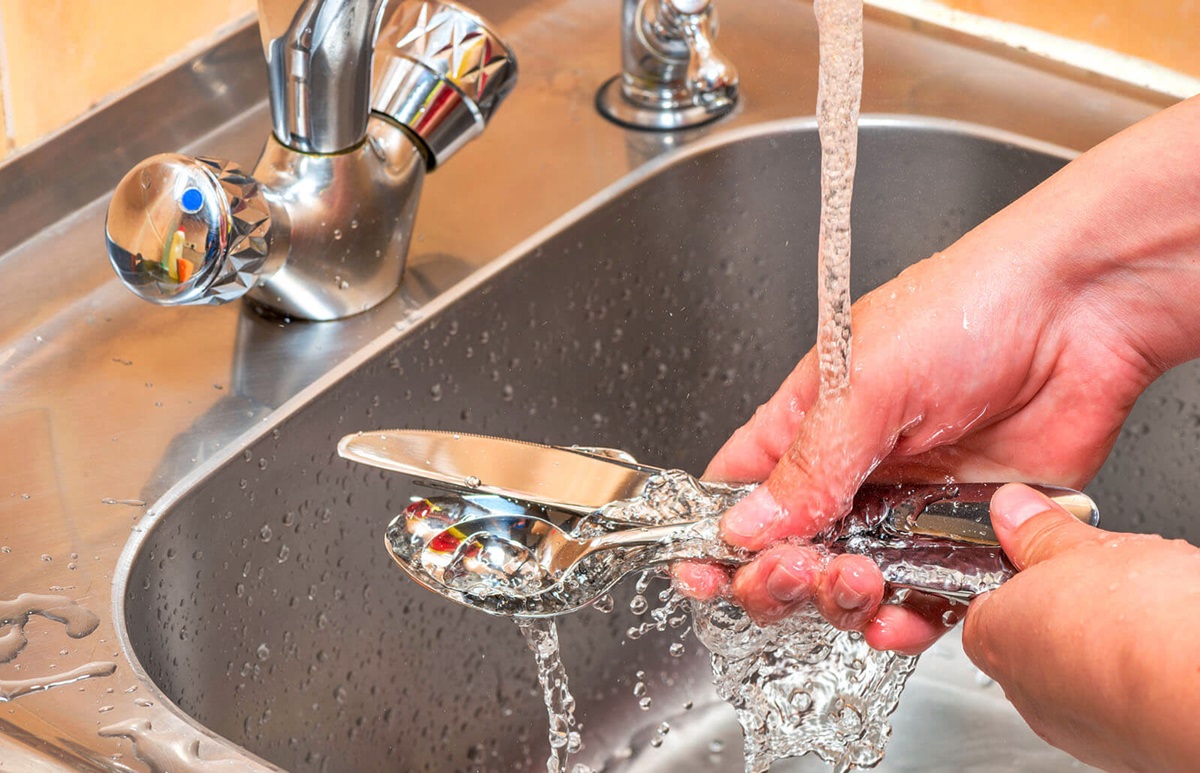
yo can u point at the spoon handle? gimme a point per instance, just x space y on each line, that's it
691 540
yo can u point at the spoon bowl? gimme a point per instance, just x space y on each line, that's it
525 565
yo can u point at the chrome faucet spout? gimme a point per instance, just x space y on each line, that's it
319 55
367 97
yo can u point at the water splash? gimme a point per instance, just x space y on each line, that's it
797 686
801 686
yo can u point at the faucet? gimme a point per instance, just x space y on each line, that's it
366 97
673 77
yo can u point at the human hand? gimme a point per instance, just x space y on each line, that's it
1015 355
1095 640
960 367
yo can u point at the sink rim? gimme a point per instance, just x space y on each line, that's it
158 512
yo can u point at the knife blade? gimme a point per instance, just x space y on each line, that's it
575 480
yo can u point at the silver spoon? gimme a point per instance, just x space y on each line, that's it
528 566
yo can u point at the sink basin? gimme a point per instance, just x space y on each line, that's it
654 319
172 470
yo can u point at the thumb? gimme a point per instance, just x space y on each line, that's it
836 446
1032 528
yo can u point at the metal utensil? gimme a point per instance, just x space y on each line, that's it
527 536
507 558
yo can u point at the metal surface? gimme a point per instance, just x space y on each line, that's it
321 230
441 72
184 230
545 476
583 480
319 55
351 218
106 402
673 76
962 511
650 328
526 566
512 561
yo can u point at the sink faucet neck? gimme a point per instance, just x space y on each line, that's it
319 56
673 76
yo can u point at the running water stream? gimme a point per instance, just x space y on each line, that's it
839 94
541 635
800 685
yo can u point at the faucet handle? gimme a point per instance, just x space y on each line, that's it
188 231
441 71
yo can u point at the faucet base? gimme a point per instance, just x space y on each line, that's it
616 107
351 217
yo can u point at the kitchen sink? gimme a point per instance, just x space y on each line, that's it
264 604
173 470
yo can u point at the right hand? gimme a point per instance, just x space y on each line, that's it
1015 355
1094 641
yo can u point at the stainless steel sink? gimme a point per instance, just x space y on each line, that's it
264 604
173 470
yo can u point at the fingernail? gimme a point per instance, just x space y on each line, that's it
845 595
748 519
1014 504
792 582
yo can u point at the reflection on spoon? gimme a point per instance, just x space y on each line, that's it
516 562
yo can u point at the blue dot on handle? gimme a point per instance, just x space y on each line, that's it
191 201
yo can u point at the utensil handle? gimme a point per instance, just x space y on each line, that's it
957 511
691 540
932 538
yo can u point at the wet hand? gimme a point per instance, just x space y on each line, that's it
1095 641
1014 355
960 366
